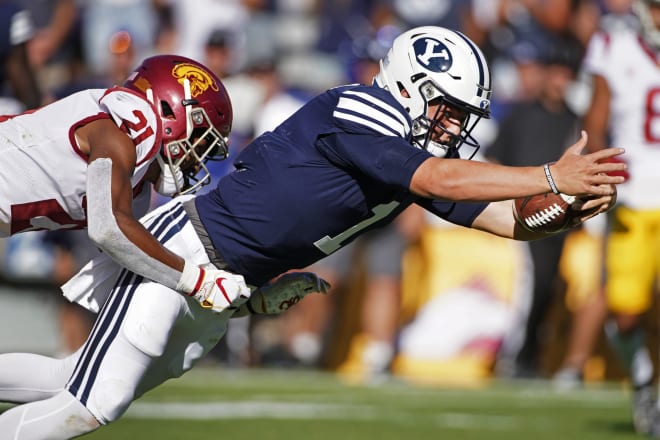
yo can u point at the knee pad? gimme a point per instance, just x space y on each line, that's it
110 399
150 318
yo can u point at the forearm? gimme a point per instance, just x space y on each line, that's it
498 219
463 180
572 174
125 239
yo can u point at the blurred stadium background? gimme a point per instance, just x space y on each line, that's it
272 55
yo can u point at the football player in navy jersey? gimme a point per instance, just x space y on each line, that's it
350 160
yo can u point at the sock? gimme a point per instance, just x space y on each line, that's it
58 418
377 356
632 352
28 377
306 347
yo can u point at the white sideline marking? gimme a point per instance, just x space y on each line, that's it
249 410
299 410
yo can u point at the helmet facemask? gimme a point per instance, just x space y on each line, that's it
423 127
186 159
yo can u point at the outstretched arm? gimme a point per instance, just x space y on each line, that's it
465 180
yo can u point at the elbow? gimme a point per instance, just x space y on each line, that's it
440 179
100 236
103 235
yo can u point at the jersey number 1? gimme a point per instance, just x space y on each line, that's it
328 244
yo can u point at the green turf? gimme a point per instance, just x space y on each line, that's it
289 405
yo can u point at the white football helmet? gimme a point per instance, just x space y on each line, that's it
432 63
650 31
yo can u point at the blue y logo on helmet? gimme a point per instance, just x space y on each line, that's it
432 54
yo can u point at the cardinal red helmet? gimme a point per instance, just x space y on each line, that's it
195 112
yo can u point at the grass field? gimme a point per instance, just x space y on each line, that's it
289 405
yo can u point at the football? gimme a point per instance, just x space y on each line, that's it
547 212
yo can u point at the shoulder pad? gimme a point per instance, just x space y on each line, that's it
370 110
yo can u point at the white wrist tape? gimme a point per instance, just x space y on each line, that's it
191 279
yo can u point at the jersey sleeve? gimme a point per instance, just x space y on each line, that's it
458 213
595 59
371 111
373 136
135 116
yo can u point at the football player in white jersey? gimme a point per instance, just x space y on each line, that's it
80 161
351 160
624 67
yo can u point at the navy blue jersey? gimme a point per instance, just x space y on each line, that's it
338 167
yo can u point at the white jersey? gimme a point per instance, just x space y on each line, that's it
631 70
44 174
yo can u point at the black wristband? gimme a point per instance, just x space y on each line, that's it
548 177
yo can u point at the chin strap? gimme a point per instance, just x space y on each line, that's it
168 184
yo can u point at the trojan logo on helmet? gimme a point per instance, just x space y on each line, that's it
199 79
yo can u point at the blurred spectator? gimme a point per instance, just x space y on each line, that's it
51 48
220 54
195 21
503 27
102 20
344 22
532 133
19 89
54 19
279 102
446 13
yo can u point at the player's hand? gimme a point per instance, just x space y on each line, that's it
214 289
591 206
588 174
286 291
